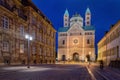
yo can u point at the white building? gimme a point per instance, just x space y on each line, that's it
76 41
109 45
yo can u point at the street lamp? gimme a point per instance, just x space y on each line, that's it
90 55
29 38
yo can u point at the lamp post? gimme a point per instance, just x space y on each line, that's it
89 57
29 38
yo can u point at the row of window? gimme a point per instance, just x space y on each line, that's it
87 41
48 51
46 30
114 35
21 13
72 34
112 51
63 34
76 20
89 33
5 23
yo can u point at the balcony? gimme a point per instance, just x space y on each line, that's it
7 6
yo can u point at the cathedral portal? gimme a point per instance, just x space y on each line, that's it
75 57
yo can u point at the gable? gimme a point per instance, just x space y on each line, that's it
75 28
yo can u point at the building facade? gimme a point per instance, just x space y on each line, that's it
109 45
21 17
76 41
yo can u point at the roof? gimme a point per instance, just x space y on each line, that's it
29 3
86 28
63 29
66 12
88 11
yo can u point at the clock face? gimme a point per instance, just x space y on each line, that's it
75 41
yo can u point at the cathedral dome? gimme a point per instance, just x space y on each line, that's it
76 19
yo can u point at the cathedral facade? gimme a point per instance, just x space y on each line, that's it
76 41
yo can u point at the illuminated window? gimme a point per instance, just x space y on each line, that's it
21 48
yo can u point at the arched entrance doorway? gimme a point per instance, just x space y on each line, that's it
63 57
75 57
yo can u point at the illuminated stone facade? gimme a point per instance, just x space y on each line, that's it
16 17
109 45
76 41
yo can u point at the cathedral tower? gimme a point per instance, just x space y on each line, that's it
88 17
66 18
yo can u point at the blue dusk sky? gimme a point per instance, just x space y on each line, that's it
104 12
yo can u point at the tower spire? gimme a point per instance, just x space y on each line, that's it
87 17
66 18
88 11
66 12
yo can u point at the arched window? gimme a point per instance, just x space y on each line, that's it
88 22
88 18
65 19
88 41
63 57
63 42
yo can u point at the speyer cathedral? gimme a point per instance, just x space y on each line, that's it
76 40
